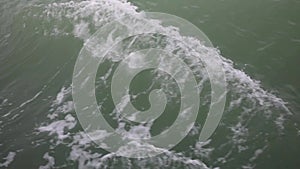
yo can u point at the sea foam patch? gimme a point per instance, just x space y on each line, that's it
243 90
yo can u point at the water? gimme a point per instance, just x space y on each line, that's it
259 44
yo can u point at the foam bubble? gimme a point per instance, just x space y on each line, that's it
87 16
8 159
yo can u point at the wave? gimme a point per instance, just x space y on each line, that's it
248 103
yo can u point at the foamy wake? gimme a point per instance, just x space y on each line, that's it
247 98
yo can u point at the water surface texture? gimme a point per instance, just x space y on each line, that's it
258 42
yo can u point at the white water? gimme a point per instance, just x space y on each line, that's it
85 17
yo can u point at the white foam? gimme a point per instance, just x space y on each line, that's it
62 95
104 11
50 161
81 30
9 158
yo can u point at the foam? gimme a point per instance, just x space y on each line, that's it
50 161
88 15
9 158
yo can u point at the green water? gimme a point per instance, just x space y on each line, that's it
38 51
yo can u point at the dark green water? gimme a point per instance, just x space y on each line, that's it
40 42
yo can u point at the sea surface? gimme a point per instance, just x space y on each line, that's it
258 42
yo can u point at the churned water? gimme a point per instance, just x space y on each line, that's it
258 43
